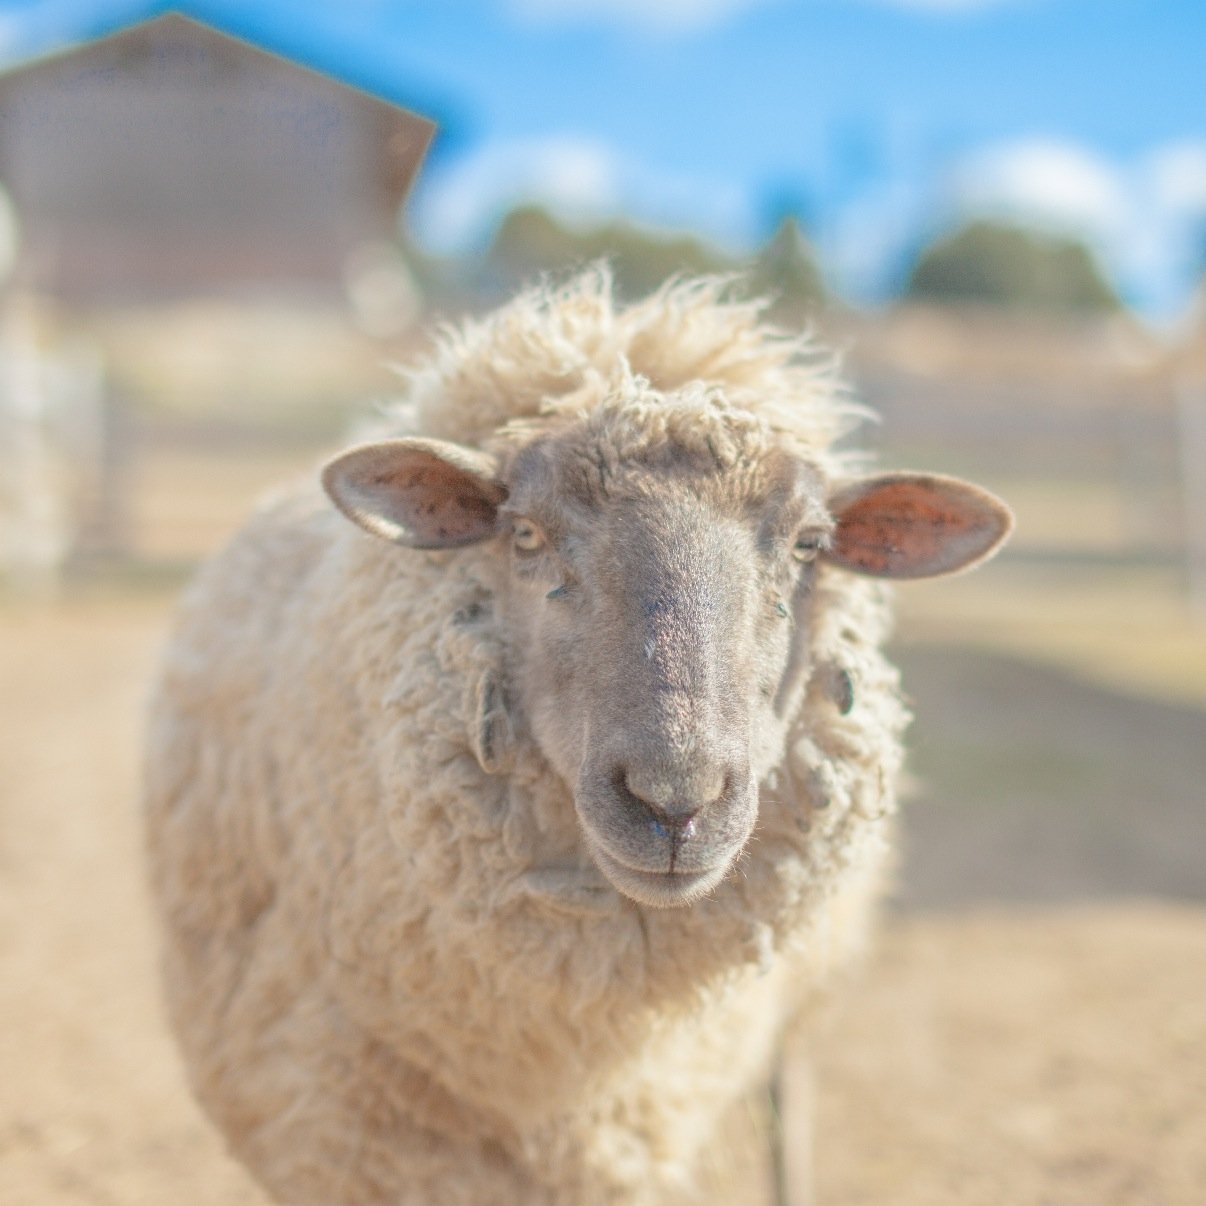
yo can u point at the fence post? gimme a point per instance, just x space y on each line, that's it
34 527
1191 438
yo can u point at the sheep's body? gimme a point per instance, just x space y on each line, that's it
394 970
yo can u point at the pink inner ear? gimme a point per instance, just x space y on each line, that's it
425 494
437 503
916 527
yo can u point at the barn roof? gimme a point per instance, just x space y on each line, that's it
171 155
291 35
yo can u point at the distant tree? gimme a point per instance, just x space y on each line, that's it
1006 266
786 270
530 240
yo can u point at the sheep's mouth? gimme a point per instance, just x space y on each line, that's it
659 889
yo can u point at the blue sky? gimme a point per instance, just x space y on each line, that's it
880 121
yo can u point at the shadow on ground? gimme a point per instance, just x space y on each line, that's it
1035 787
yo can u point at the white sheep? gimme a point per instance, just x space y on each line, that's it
493 873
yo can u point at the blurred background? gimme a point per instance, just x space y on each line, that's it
222 226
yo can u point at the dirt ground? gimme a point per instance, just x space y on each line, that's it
1019 1046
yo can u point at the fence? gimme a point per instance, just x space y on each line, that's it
1107 464
1117 455
54 479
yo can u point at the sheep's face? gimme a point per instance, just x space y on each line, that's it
658 585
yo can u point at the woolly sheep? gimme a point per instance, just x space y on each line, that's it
492 873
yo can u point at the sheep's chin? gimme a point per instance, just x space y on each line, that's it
659 889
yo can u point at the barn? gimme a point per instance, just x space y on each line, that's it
166 170
171 158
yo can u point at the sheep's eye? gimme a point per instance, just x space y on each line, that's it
526 536
808 546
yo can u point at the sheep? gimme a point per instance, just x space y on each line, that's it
494 854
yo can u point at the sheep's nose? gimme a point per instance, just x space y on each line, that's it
674 800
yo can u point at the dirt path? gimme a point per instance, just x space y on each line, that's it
1016 1057
93 1108
1023 1059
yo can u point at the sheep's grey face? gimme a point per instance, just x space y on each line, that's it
658 613
656 593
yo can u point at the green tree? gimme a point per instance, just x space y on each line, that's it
786 271
988 263
530 241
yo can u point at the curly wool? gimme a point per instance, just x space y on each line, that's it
394 971
557 351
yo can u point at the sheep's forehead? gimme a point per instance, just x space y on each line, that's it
692 445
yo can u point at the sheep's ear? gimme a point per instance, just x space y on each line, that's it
914 525
426 494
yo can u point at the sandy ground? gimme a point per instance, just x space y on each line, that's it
1019 1053
1053 1058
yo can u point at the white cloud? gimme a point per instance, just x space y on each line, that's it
863 246
664 16
1044 183
458 204
1178 175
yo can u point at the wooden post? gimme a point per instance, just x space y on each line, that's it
1191 438
792 1121
34 530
